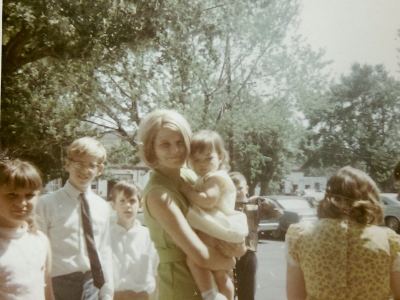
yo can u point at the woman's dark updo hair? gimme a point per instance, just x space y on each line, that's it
351 194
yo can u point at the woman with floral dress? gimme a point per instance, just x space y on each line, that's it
345 254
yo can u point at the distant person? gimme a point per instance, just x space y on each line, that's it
24 250
164 139
345 254
76 220
135 259
213 212
254 207
396 175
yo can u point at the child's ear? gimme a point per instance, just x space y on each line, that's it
112 204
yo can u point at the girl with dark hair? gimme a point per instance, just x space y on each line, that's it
345 254
24 250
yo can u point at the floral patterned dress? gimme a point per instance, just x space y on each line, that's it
341 259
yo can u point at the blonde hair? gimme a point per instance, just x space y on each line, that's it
19 174
126 188
87 146
209 140
352 194
150 126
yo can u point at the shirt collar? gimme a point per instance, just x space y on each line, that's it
135 227
73 192
13 233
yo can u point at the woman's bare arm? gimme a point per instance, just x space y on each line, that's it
395 284
295 285
232 249
171 218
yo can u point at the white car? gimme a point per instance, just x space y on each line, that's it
391 211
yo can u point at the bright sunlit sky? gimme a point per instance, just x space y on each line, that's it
363 31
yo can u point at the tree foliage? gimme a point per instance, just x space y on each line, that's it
237 67
49 53
359 125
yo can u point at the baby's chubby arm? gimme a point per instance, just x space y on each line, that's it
205 198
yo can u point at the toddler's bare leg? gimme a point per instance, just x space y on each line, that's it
225 284
203 277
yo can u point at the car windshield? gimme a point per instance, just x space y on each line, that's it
294 203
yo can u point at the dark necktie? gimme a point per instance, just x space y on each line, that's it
95 265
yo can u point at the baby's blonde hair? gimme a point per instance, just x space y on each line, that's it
150 126
87 146
209 140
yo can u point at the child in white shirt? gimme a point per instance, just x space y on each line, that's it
77 273
135 260
24 250
213 212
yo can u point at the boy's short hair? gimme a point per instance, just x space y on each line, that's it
16 173
238 178
87 146
128 189
208 140
149 127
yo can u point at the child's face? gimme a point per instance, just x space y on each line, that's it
126 207
82 170
205 162
16 205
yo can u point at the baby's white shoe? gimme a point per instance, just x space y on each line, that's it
213 295
220 296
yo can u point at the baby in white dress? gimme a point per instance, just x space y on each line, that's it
213 212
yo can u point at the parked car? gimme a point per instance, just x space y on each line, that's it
391 211
294 209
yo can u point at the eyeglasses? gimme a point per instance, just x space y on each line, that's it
80 165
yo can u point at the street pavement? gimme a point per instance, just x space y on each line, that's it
271 274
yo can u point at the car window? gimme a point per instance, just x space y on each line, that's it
294 203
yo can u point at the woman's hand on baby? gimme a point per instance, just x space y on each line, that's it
231 249
184 187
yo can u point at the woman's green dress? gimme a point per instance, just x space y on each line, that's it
175 279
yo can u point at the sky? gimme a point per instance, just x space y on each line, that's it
363 31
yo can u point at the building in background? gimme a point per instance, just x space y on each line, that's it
297 183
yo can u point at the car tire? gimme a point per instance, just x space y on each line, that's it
392 223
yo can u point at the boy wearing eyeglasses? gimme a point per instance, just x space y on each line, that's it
76 220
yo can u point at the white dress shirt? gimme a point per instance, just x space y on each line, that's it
59 216
23 256
134 257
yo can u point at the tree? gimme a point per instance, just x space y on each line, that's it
230 66
74 29
50 52
210 66
359 125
